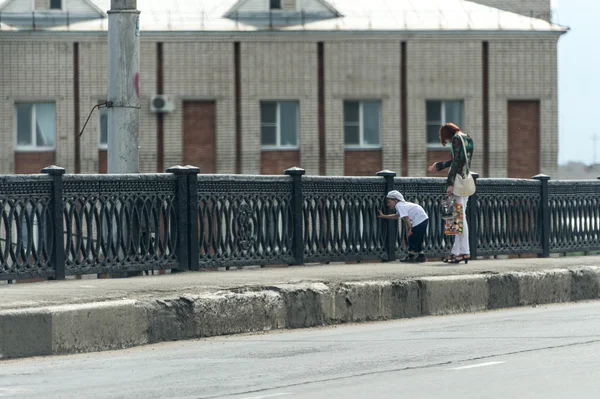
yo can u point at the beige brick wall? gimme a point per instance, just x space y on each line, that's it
148 141
93 69
42 4
443 70
523 70
279 71
439 67
34 72
190 74
362 70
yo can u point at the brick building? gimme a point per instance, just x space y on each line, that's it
337 87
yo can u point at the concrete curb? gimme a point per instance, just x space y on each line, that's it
121 324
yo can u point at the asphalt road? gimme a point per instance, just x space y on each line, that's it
545 352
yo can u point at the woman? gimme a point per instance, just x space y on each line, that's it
450 133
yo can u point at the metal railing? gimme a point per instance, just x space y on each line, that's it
54 225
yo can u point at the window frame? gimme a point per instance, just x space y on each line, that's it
277 145
437 145
271 8
32 147
55 9
361 128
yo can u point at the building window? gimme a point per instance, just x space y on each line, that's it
103 128
362 124
275 4
56 4
441 112
279 124
35 126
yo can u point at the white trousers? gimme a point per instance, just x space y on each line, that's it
461 241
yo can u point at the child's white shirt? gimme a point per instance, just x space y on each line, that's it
415 212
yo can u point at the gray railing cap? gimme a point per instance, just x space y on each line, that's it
386 172
541 176
294 171
182 170
53 170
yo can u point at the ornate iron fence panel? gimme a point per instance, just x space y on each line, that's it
574 215
427 192
509 219
244 220
114 224
340 219
26 229
119 223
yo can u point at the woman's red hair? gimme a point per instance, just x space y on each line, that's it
447 132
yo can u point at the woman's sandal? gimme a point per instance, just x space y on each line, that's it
461 258
448 259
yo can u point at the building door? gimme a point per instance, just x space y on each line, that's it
199 135
523 139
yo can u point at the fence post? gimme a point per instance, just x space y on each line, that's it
392 225
297 199
56 204
181 196
545 203
192 217
472 220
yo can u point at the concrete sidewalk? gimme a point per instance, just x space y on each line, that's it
59 317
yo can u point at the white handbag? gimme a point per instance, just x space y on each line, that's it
464 186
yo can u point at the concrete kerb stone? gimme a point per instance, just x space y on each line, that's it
361 301
98 326
72 329
552 286
127 323
25 332
585 284
406 299
454 294
220 313
305 305
504 291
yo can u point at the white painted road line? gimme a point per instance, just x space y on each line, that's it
473 366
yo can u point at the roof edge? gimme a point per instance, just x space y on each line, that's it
152 33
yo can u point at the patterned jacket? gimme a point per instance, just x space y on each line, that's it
457 163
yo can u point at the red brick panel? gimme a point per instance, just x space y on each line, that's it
275 162
362 162
102 161
199 135
33 162
523 139
437 156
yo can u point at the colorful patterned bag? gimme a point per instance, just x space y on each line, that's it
454 226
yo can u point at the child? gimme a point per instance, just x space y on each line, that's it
416 221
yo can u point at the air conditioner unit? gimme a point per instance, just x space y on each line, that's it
162 104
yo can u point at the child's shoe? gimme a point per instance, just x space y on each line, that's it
421 258
410 258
